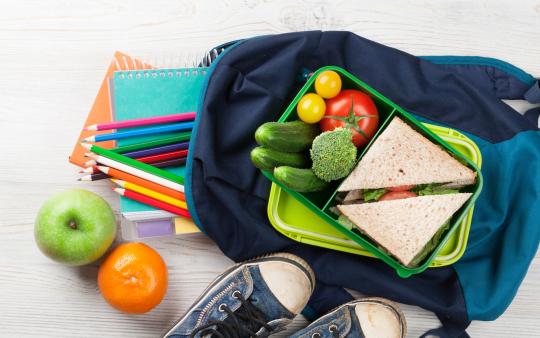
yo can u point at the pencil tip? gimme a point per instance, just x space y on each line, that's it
86 145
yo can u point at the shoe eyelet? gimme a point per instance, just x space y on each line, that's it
221 308
236 294
332 328
316 335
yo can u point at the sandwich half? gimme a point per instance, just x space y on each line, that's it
405 228
400 156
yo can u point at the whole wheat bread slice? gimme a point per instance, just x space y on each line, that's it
401 156
403 227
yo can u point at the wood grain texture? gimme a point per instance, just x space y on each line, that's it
53 55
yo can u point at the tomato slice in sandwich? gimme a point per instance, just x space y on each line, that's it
401 188
397 195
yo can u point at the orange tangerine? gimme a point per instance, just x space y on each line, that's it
133 278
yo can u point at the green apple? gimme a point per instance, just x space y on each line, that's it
75 227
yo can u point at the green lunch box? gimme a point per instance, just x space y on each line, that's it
298 222
320 202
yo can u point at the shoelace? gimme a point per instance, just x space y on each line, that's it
246 320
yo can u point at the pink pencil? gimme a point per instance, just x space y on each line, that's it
143 121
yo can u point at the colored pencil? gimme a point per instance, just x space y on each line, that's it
180 137
151 193
137 172
176 162
94 177
143 121
89 170
118 174
157 150
183 126
162 157
132 163
151 202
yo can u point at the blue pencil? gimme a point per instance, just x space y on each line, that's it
184 126
157 150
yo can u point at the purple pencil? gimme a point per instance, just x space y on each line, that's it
157 150
177 162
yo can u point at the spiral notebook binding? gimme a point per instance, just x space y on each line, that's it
185 60
123 62
161 73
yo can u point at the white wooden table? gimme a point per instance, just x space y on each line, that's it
52 57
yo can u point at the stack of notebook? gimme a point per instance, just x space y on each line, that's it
135 91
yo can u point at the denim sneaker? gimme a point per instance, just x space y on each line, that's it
252 299
363 318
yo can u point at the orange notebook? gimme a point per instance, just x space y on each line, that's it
101 111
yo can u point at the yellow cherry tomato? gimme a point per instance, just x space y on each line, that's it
328 84
311 108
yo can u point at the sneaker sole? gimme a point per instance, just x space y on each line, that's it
283 257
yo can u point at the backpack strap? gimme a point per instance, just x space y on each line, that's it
533 96
505 80
502 79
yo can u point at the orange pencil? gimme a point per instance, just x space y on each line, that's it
142 182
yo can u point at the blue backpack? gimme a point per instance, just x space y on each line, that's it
253 81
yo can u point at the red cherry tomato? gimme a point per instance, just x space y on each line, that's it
397 195
401 188
355 110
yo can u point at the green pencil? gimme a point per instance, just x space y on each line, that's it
134 163
181 137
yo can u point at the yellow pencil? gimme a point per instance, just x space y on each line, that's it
151 193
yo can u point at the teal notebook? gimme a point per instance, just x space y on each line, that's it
147 93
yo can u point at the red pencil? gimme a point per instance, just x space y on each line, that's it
152 202
162 157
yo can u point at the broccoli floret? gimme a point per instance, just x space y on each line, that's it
333 154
